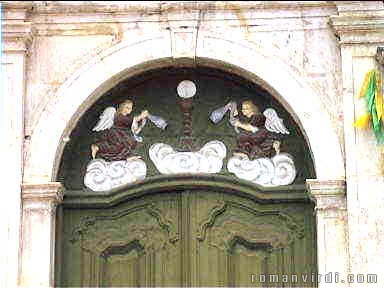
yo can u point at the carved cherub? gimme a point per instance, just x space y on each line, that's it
257 132
121 130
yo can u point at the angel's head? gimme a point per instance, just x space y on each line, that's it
248 108
125 107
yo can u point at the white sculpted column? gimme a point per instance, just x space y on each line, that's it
16 38
332 238
38 233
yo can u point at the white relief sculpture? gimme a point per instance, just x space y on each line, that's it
268 172
209 159
186 89
257 156
102 175
114 160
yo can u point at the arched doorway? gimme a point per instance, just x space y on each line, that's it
184 230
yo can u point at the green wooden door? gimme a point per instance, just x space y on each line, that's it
187 235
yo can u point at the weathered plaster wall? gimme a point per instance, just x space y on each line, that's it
297 35
322 49
48 71
361 31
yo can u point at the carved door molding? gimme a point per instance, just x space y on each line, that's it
201 236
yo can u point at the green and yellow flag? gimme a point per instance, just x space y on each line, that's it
372 92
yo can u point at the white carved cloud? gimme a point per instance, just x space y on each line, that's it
102 175
209 159
275 171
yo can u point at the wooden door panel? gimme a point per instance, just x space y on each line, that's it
187 238
135 244
124 267
237 238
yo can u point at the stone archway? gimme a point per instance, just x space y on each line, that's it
124 60
127 59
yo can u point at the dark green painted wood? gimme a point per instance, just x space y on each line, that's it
199 235
161 184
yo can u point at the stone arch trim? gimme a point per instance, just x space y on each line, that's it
123 60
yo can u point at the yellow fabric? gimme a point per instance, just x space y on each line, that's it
363 121
364 87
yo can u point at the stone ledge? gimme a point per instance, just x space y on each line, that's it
43 192
358 7
17 35
327 194
156 7
357 23
326 187
358 28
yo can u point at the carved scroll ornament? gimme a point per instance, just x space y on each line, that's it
224 227
150 229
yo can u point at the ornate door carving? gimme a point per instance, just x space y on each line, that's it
196 237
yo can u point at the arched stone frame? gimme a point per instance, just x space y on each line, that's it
81 90
126 59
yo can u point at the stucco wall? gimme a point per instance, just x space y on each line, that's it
312 56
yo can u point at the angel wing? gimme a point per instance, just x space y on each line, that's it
273 122
106 119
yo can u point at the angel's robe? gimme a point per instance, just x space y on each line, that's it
258 144
117 143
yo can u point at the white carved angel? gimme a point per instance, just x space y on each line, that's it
257 132
121 132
